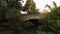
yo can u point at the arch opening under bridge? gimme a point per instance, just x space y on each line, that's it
34 27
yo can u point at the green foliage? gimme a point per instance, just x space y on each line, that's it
30 7
51 21
39 32
10 14
27 24
54 4
43 32
26 5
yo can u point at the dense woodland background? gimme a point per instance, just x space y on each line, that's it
10 17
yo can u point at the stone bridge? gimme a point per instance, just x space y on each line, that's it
31 18
28 17
34 19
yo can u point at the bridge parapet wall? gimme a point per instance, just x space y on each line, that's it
27 17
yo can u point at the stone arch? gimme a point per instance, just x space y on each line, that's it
34 21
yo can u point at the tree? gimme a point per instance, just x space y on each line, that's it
54 17
48 6
10 14
30 7
54 4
